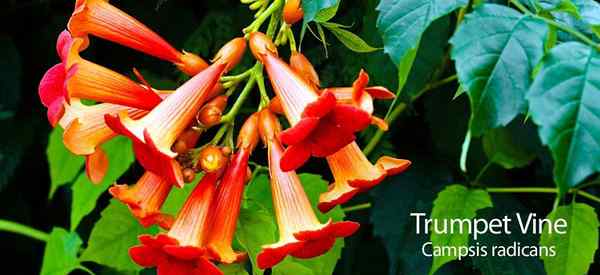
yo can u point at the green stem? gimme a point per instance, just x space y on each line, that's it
219 135
237 77
540 190
24 230
483 170
255 25
230 116
379 134
357 207
558 25
434 85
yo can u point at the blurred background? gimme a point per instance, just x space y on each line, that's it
429 133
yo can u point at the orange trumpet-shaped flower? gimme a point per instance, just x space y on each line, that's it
320 126
300 64
145 199
181 250
101 19
155 133
292 11
231 53
226 206
354 173
301 234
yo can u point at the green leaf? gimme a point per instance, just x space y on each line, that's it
233 269
410 192
564 104
495 63
86 193
112 236
402 23
60 254
312 8
349 39
257 225
10 70
455 202
576 248
326 14
64 166
512 146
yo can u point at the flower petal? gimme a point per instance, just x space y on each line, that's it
96 166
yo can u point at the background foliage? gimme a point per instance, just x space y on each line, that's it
497 110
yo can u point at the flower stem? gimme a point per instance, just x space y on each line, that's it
255 25
230 116
552 190
24 230
558 25
357 207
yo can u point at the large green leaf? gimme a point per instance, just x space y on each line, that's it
86 193
60 254
112 236
64 166
494 63
233 269
564 103
575 249
402 23
455 202
512 146
312 8
257 226
393 200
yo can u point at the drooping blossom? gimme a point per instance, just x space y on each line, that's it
145 199
182 249
228 199
100 18
301 234
292 11
154 134
354 173
320 125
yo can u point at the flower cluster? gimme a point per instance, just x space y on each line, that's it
165 127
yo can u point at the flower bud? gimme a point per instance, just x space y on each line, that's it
211 113
248 136
191 64
292 11
188 175
226 150
211 159
304 68
269 127
231 53
275 106
260 45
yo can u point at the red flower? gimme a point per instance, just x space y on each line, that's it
226 205
320 126
301 234
155 133
101 19
354 173
76 77
145 199
181 250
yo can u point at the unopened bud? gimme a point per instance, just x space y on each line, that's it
248 136
191 64
292 11
268 125
188 175
304 68
210 114
211 159
226 150
231 53
180 147
261 45
275 106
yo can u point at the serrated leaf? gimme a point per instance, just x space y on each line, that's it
86 193
512 146
349 39
495 63
576 248
112 236
402 23
64 166
564 103
455 202
60 254
409 192
257 225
